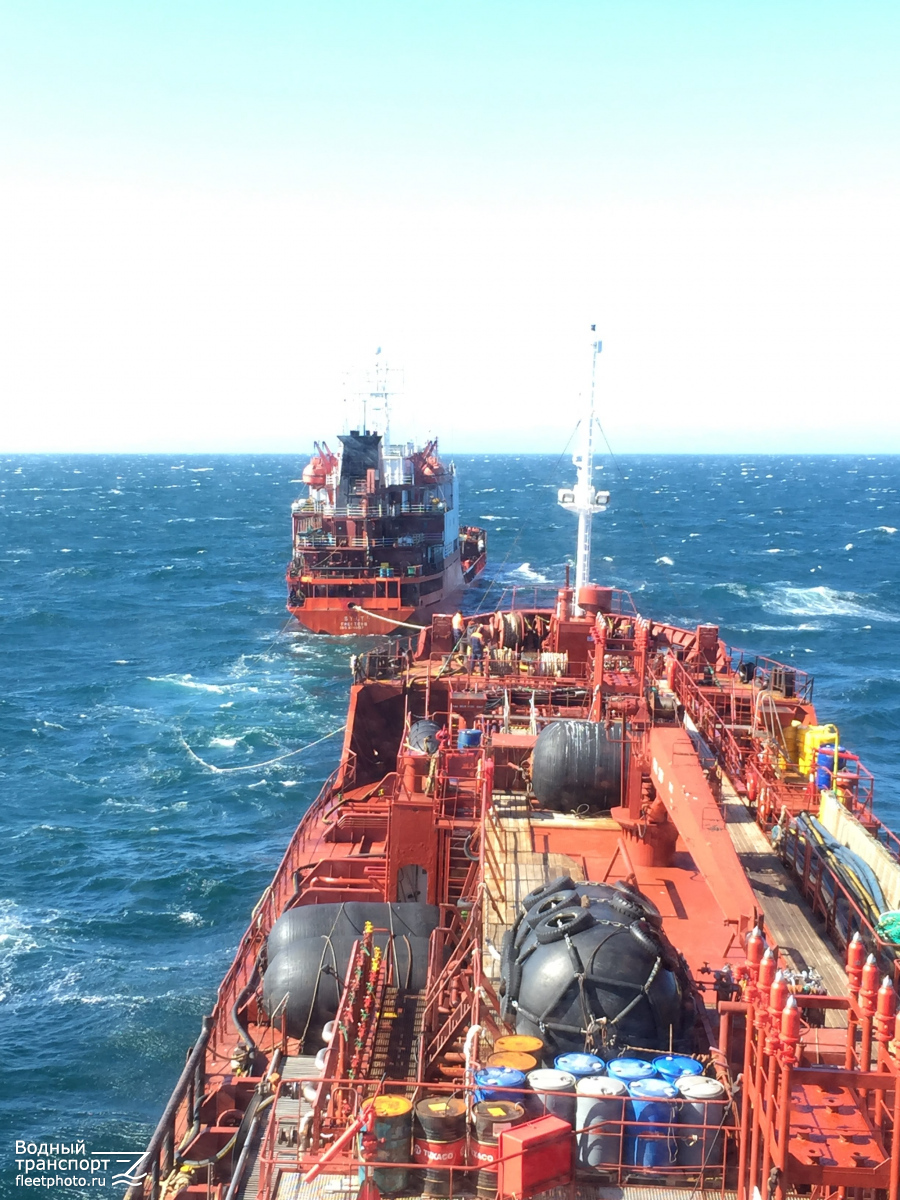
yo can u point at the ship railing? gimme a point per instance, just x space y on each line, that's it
268 908
181 1113
710 724
791 1085
322 540
769 675
669 1152
830 897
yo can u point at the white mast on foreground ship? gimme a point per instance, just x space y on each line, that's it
584 499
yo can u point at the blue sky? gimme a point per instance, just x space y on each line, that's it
212 211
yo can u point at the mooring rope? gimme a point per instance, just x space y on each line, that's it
256 766
389 620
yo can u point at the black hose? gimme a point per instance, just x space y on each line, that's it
242 996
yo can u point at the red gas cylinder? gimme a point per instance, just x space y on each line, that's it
856 957
790 1031
767 974
756 948
868 989
885 1011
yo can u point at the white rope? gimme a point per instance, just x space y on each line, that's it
390 620
256 766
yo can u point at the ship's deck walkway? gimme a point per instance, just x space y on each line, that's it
788 919
287 1110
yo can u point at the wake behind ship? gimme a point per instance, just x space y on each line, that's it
593 907
377 541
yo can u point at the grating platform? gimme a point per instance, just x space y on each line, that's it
287 1110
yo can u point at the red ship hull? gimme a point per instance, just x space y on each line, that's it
440 805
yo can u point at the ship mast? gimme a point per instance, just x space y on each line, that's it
584 499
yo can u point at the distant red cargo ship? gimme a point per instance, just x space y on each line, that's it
377 540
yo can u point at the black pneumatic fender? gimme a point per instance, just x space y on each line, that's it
538 912
587 965
562 883
650 911
562 923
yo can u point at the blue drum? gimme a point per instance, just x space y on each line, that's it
494 1083
630 1070
671 1067
652 1142
582 1066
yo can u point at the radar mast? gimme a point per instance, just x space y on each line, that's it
584 499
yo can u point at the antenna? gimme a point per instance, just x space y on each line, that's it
584 499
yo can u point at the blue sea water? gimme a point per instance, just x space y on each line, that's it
143 607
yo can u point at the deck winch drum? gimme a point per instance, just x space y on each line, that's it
600 1111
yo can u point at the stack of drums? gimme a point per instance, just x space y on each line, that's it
555 1090
599 1114
440 1143
491 1118
391 1122
704 1106
654 1104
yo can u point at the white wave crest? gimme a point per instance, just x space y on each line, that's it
526 571
823 601
223 741
665 560
187 681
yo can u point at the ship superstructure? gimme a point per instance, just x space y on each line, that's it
377 539
592 906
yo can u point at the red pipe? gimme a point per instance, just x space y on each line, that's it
349 1133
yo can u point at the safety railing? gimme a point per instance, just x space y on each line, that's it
712 727
603 1142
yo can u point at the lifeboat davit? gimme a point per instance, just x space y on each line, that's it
317 470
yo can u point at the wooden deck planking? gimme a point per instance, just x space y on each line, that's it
524 869
789 921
